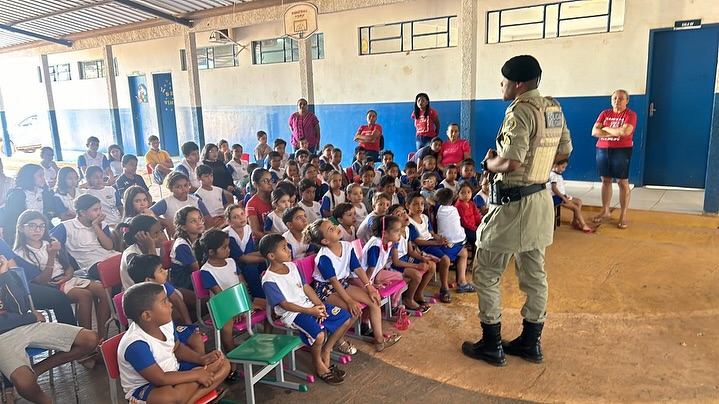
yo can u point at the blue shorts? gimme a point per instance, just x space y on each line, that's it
440 251
185 332
404 258
557 200
614 163
310 327
142 393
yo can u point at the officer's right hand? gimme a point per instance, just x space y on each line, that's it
491 153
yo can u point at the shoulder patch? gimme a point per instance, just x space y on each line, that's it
510 123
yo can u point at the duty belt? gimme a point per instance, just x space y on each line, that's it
503 196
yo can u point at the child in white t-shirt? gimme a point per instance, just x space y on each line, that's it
560 197
214 198
108 196
273 221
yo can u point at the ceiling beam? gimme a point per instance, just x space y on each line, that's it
63 42
156 13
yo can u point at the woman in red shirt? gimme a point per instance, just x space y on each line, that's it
426 121
369 135
259 205
454 149
614 129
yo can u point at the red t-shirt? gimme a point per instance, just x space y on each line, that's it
365 130
612 119
258 208
425 123
453 153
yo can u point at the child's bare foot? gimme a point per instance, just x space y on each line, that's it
600 218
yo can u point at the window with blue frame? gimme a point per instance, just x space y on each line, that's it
282 50
552 20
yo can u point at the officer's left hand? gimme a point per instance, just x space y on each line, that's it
491 153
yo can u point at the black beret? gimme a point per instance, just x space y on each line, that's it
521 68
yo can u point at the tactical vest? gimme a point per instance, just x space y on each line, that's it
543 146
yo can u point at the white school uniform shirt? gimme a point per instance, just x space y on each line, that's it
130 253
277 226
225 276
33 200
422 227
313 212
94 161
364 231
382 259
449 224
116 167
239 171
68 200
559 180
39 257
187 169
50 173
285 288
402 246
348 235
341 264
108 197
241 241
454 188
173 205
333 200
299 249
134 347
212 200
360 212
82 244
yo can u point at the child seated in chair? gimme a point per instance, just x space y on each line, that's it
148 268
154 366
20 327
321 325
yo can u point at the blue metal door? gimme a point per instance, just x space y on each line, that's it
139 103
165 104
681 95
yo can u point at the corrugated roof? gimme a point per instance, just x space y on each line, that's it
58 18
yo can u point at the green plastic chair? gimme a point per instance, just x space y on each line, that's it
265 350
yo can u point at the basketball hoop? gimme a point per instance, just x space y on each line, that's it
300 20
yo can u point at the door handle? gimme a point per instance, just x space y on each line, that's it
651 109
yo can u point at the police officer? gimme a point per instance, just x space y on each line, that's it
519 223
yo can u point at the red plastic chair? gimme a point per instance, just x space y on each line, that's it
109 274
109 354
165 253
117 301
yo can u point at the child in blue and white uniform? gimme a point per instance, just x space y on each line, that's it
243 249
188 228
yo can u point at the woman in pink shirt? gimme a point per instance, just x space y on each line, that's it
454 149
369 136
304 125
426 121
614 130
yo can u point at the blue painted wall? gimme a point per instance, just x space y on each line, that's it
339 123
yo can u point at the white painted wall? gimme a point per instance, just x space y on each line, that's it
588 64
76 93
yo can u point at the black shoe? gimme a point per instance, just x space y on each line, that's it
527 346
366 330
489 348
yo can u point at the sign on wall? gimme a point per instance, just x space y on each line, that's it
300 20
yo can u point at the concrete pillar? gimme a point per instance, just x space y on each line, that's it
193 77
7 148
111 83
307 84
468 60
52 118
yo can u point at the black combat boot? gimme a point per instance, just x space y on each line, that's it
489 348
527 345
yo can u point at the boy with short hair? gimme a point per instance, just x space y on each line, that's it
380 204
129 175
262 149
367 176
467 173
148 268
93 158
20 327
302 157
190 161
429 165
449 227
159 160
387 185
450 179
154 366
295 219
274 162
360 159
321 325
237 167
429 181
312 208
410 179
215 198
386 156
280 146
433 149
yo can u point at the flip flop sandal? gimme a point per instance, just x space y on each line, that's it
445 296
424 308
336 370
466 288
331 378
